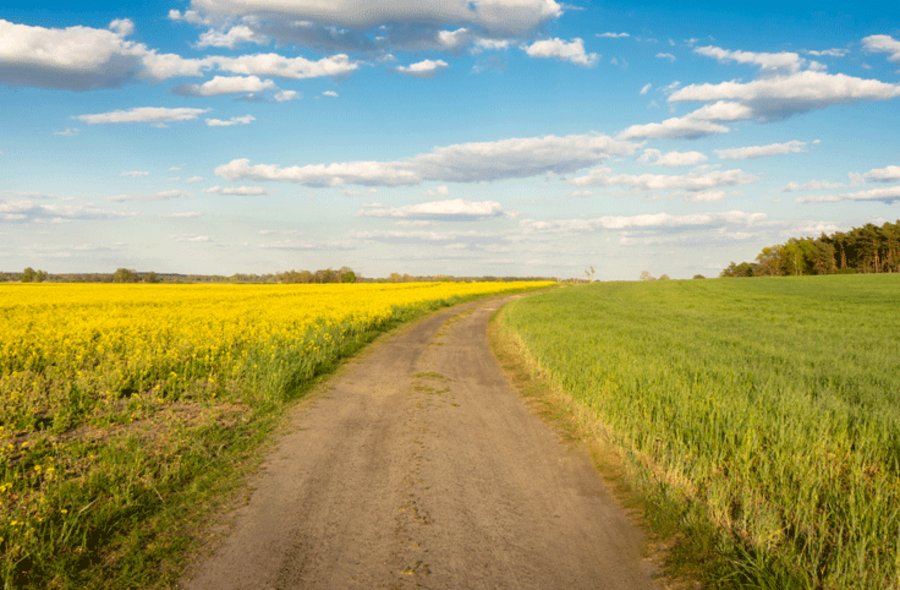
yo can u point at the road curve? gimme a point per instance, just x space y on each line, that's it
418 465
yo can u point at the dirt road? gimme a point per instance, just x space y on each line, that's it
419 466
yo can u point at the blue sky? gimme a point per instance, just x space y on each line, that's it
506 137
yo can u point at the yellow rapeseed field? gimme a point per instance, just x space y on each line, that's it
112 397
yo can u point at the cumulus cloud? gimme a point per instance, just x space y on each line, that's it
780 96
242 120
241 191
467 162
657 158
697 180
572 51
612 35
279 66
231 38
152 115
449 210
384 23
227 85
76 58
760 151
424 68
85 58
886 195
651 221
785 61
666 56
883 44
886 174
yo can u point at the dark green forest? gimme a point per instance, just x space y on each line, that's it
866 249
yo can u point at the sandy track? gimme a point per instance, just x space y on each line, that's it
419 466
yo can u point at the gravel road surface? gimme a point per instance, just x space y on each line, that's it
418 465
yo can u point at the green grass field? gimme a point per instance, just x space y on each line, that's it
760 416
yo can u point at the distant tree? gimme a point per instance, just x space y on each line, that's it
151 277
699 276
125 275
28 275
646 276
664 277
744 269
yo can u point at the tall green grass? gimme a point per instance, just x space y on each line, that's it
762 415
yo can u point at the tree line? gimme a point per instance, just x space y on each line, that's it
866 249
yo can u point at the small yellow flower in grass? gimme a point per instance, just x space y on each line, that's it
63 511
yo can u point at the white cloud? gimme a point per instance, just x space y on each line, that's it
84 58
227 85
707 120
812 185
657 158
722 111
135 173
666 56
692 181
673 128
572 51
295 68
122 27
645 222
424 236
341 23
26 211
77 58
645 89
286 95
785 61
833 52
760 151
883 44
491 44
153 115
230 38
242 120
193 238
778 97
704 196
886 195
468 162
611 35
162 66
67 132
330 94
159 196
424 68
449 210
453 39
886 174
240 191
194 179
